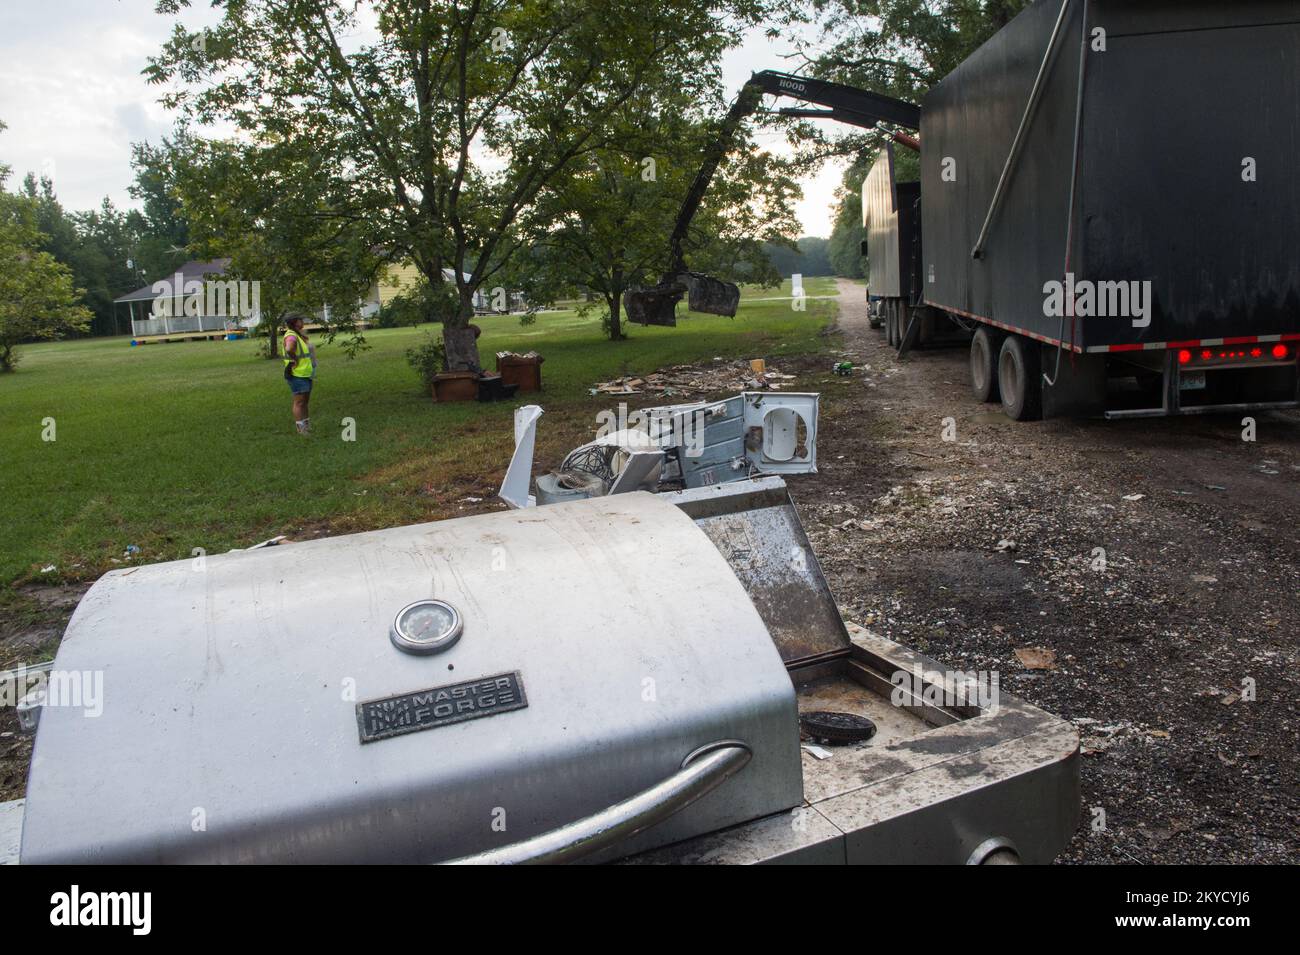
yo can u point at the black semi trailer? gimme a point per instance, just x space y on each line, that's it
1110 207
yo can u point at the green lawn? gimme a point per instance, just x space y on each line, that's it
169 447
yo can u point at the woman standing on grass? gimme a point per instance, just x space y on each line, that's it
299 369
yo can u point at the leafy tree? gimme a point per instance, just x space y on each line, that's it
900 48
442 126
845 245
104 261
37 297
610 214
268 209
162 231
100 246
903 47
417 305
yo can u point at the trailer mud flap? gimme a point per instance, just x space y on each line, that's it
1074 385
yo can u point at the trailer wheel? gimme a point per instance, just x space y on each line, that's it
1020 379
985 348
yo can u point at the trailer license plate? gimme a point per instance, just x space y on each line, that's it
1192 381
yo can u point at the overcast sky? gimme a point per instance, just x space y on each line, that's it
74 100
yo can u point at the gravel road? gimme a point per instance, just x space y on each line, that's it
1157 560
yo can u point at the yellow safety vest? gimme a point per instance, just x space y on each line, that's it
302 368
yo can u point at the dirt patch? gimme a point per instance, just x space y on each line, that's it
32 621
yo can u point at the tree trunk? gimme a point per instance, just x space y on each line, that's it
460 338
615 301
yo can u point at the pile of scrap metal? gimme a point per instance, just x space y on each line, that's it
671 447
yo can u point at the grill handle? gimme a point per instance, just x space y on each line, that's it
703 770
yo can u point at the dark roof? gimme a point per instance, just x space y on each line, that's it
193 269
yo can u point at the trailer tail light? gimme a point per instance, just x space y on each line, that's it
1245 354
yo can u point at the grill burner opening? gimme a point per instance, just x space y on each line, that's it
832 727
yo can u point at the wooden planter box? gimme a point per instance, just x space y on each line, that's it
455 386
524 371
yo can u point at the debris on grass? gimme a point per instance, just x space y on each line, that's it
687 380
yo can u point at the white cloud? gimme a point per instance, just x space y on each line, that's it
74 99
72 94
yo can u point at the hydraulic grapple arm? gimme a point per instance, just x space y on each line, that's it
657 305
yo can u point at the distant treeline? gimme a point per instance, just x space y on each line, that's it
113 251
812 258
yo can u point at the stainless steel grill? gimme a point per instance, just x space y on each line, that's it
616 677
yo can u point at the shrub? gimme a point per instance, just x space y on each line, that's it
427 358
417 305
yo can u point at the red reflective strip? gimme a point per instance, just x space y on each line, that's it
1137 346
1004 326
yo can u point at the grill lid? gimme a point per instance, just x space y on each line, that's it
263 708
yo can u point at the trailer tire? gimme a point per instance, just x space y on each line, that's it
985 348
1020 379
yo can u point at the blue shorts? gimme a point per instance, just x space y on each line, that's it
299 386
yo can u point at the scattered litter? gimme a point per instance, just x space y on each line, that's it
1215 487
1005 546
131 550
1097 738
48 569
619 386
1036 658
1134 497
269 542
470 500
694 380
818 752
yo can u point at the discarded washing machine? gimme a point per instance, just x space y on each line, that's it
616 678
673 447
